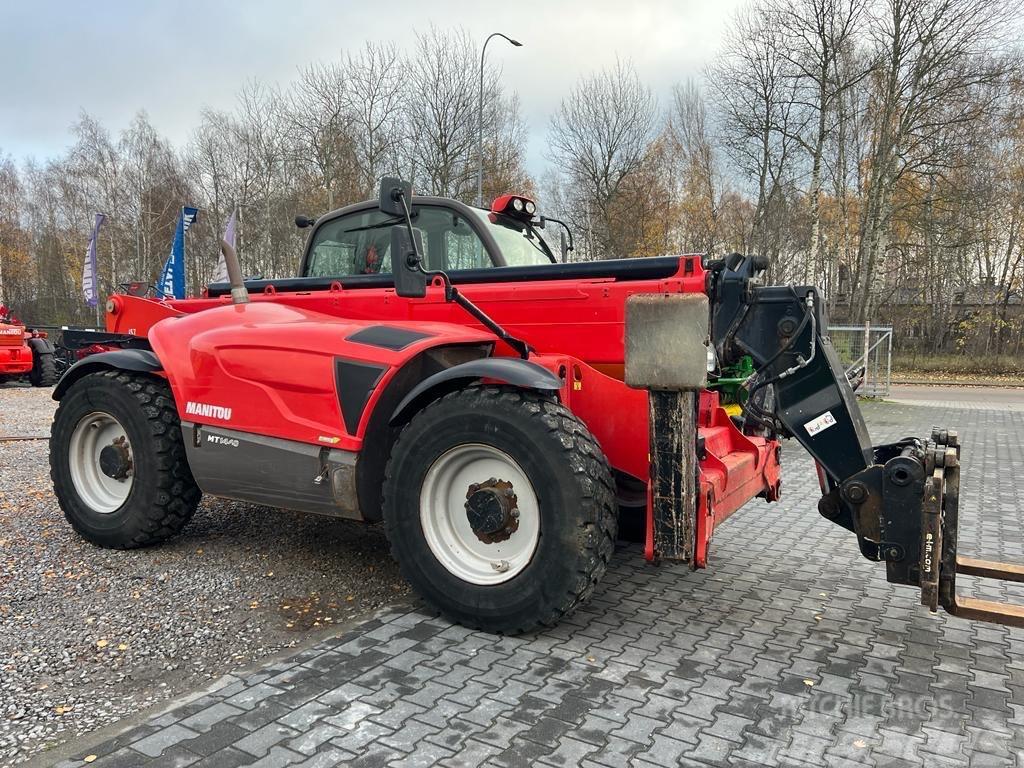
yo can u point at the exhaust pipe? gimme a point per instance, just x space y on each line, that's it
239 294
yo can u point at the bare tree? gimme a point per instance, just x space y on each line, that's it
373 102
758 123
322 127
441 98
932 57
697 186
153 189
12 248
599 139
816 33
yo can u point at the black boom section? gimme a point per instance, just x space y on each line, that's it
783 329
784 333
79 338
655 268
355 382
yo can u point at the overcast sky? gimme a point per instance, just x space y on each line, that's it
173 58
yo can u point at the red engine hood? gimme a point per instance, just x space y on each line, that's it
279 370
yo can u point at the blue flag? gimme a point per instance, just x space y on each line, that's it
90 275
172 278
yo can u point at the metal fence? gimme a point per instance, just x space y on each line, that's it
871 343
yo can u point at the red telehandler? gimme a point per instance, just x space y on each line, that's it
25 352
435 368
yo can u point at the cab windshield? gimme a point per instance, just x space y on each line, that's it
359 243
520 243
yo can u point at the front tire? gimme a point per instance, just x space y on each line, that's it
500 508
44 369
117 461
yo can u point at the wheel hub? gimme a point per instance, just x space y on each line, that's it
494 538
100 462
492 511
115 460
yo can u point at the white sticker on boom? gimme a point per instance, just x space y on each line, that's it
820 424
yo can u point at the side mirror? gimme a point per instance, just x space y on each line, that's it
563 245
391 191
410 280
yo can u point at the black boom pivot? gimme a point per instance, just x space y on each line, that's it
900 499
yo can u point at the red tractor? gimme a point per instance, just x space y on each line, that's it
25 353
435 368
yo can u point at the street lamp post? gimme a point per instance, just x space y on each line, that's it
480 119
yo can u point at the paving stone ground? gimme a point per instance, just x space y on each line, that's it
788 650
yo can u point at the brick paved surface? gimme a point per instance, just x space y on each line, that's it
789 650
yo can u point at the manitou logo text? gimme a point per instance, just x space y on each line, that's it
11 332
208 411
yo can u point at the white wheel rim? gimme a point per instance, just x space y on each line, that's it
101 492
446 525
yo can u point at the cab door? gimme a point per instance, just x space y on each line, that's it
359 243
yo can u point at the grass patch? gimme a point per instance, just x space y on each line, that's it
959 365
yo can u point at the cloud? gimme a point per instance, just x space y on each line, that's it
172 59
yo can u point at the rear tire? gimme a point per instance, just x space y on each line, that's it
44 369
537 569
117 461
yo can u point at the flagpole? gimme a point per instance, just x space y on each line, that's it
96 280
96 277
90 269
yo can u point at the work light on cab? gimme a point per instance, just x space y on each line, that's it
514 205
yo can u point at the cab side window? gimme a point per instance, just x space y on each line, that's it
457 244
357 244
360 243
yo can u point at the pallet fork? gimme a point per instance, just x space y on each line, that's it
939 521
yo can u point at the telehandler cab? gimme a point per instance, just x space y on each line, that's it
492 407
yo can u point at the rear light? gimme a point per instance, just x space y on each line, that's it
514 205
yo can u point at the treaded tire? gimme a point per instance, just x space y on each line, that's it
44 369
576 502
163 496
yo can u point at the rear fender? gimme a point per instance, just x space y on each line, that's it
505 370
138 360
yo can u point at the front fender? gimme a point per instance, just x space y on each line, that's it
121 359
507 370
